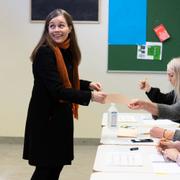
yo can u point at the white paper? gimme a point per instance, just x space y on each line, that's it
123 159
150 51
166 167
157 158
117 98
127 132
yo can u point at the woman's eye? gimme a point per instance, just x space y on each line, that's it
52 26
61 26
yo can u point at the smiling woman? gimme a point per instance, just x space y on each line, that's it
57 94
59 29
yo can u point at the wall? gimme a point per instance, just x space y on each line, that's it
18 37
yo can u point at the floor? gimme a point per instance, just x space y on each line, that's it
12 167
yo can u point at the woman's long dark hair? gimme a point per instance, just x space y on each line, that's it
47 41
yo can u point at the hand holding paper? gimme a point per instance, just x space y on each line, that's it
136 104
98 96
95 86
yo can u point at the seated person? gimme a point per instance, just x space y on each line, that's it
170 150
164 106
158 132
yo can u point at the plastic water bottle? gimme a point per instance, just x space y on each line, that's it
112 116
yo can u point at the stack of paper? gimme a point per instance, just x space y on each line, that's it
127 132
124 159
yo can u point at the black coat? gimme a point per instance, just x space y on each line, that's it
49 127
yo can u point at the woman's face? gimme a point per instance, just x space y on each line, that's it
58 29
171 77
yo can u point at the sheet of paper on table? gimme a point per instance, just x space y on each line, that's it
127 132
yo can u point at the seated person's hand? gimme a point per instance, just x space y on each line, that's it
136 104
157 132
171 154
144 85
165 144
161 133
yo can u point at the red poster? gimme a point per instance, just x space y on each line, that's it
161 32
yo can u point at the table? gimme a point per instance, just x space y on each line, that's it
115 160
106 161
109 136
140 119
127 117
141 122
146 159
131 176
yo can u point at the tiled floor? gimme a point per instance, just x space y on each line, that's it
12 167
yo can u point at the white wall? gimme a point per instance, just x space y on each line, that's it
18 37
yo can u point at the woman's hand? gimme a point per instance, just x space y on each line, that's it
136 104
157 132
171 154
95 86
149 106
99 97
165 144
144 85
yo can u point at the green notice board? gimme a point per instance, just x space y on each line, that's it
124 58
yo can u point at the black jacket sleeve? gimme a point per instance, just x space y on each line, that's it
46 75
156 96
84 85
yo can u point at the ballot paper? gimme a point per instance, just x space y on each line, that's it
123 159
166 167
163 165
158 158
117 98
164 123
127 132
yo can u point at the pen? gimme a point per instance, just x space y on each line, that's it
134 149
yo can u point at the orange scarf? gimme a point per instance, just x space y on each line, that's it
63 74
